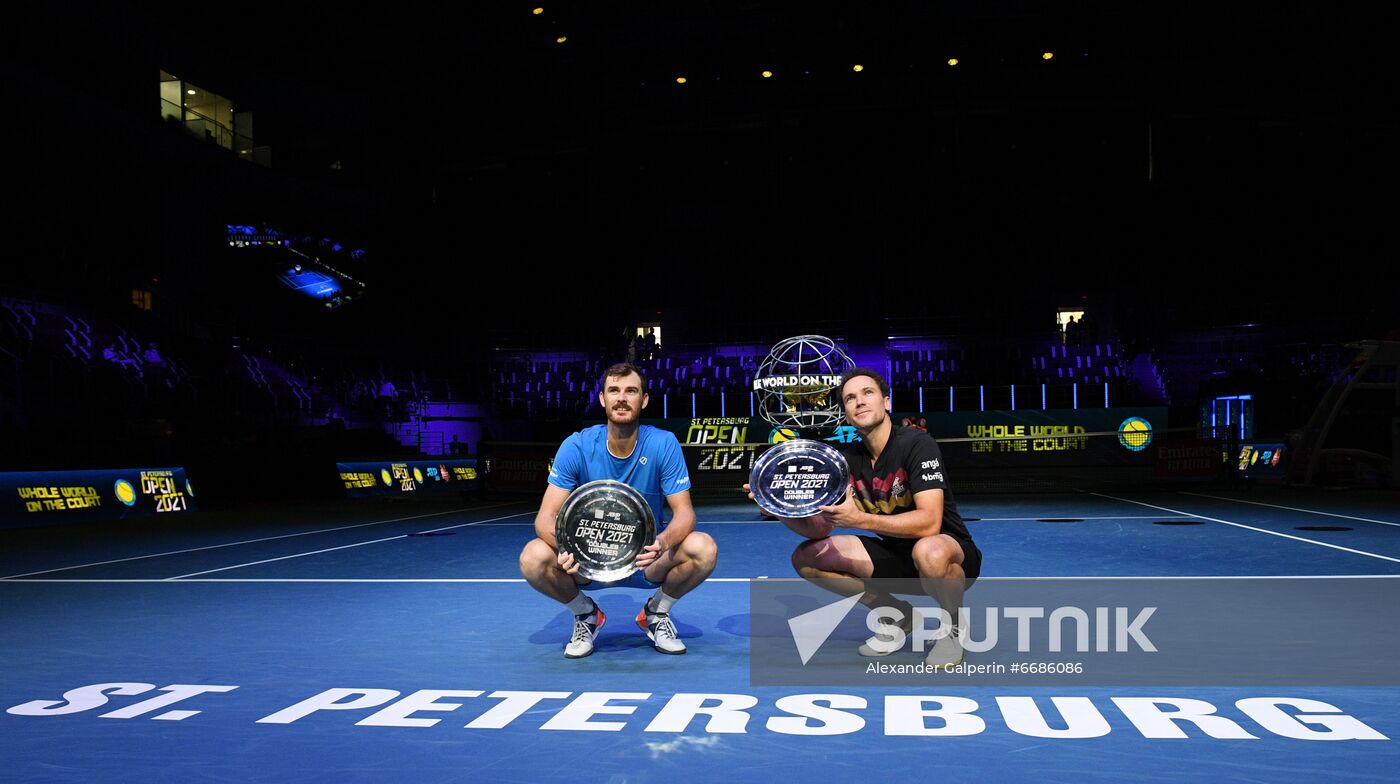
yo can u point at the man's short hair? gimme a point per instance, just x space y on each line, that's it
861 371
623 369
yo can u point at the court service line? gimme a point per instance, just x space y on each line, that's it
341 547
1292 508
368 580
1061 517
1252 528
255 541
471 580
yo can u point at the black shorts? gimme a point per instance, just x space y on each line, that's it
894 556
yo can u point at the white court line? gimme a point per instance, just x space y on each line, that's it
331 579
697 522
333 549
470 580
978 520
1064 517
1252 528
1292 508
251 541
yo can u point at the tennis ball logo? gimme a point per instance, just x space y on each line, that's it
1135 434
418 475
782 434
188 489
125 492
384 474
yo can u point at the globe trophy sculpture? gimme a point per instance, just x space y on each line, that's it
798 389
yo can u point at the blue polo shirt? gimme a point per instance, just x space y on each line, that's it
656 467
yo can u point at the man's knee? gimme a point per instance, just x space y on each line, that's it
536 557
700 548
807 559
934 555
805 555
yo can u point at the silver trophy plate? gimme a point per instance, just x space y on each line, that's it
605 524
795 477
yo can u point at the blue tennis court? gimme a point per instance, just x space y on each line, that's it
373 643
288 365
311 283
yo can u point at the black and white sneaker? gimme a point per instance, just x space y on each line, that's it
886 641
660 630
948 651
586 629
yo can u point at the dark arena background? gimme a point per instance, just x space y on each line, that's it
298 305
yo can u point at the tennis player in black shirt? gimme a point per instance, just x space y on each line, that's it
900 496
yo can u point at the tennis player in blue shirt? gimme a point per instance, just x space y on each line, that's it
650 461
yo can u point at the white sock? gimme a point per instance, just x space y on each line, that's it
660 602
581 605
